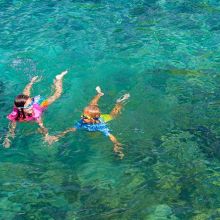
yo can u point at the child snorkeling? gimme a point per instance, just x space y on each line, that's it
31 109
93 120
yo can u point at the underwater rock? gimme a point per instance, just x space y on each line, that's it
8 208
207 214
9 171
201 217
162 212
51 177
111 201
207 140
184 72
136 179
71 215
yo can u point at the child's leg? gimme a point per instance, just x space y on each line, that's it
117 146
116 110
95 100
119 105
58 83
51 139
11 133
97 97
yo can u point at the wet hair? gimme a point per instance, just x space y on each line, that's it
93 110
19 102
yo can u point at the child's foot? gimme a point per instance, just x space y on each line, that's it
99 91
7 143
123 98
118 150
61 75
36 79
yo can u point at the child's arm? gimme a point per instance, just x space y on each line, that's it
55 138
65 132
117 146
11 133
27 89
43 130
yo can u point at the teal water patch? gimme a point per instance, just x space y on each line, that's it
166 55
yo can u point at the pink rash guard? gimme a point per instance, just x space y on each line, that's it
37 113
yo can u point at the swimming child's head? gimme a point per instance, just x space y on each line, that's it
24 104
91 113
23 101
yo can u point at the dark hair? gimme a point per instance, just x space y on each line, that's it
19 102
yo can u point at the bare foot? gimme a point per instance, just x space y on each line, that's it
118 150
7 143
61 75
99 91
121 155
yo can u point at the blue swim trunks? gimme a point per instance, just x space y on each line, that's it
102 127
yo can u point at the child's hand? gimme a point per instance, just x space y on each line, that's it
51 139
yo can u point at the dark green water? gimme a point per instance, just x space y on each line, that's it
166 54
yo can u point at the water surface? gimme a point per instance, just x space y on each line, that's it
166 54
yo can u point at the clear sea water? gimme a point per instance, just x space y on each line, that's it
166 54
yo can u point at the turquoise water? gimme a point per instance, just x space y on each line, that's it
166 54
